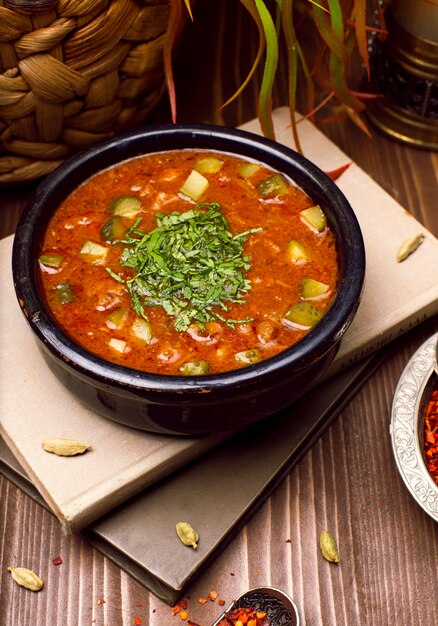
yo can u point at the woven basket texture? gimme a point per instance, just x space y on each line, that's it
74 72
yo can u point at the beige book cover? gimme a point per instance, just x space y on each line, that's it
34 405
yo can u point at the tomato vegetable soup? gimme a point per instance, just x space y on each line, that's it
188 262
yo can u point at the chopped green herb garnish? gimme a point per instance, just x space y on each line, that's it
189 265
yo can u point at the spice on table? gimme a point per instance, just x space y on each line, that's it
328 546
409 246
65 447
212 595
431 435
187 534
26 578
57 560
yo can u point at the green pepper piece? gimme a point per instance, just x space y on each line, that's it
296 252
64 293
194 185
303 314
311 288
195 368
94 251
142 329
273 186
52 260
126 206
112 230
208 165
248 169
314 217
248 356
116 318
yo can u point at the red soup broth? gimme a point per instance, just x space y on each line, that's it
287 265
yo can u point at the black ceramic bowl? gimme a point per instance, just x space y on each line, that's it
176 404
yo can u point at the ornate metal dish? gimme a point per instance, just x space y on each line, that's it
411 394
279 607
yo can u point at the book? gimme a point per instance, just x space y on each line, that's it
218 492
34 405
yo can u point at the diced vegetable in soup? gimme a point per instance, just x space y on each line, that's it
188 263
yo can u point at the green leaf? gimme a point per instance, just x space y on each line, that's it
361 35
331 29
292 48
249 6
310 86
270 68
332 39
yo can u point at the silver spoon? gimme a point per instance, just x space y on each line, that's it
280 609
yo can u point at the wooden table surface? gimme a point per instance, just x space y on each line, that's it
347 482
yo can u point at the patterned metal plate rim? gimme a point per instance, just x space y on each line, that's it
406 422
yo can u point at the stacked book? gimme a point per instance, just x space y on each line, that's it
125 496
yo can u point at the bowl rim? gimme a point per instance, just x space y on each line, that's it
306 174
407 422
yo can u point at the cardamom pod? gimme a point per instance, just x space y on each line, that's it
26 578
65 447
409 246
187 534
328 547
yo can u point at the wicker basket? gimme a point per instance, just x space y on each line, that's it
74 72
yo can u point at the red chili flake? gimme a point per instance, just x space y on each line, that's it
334 174
137 621
176 609
248 616
101 601
190 623
183 604
221 602
430 435
57 560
